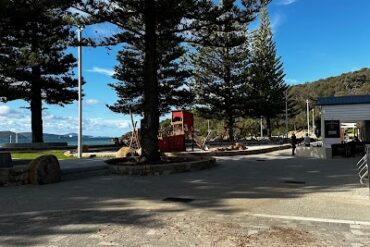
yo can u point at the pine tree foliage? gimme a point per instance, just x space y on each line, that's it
154 21
34 65
267 74
221 73
173 78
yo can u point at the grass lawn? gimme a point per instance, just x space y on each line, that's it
34 154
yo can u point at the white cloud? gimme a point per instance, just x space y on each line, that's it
92 102
276 21
14 119
4 110
94 126
103 71
286 2
20 121
291 81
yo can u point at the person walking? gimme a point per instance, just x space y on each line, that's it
307 141
294 144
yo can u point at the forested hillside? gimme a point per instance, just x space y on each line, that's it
352 83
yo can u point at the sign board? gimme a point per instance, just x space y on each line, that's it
332 129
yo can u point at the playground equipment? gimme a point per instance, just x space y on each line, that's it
182 123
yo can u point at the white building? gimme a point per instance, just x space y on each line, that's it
338 114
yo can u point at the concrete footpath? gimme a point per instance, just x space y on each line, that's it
259 200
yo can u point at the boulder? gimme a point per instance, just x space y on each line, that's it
5 160
125 152
44 170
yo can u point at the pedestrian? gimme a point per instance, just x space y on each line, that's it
294 144
307 141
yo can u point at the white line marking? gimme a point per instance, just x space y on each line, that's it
323 220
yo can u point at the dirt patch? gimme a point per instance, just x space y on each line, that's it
280 236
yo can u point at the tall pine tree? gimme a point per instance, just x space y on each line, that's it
152 21
173 77
33 63
221 73
267 74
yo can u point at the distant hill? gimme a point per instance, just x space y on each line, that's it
352 83
54 136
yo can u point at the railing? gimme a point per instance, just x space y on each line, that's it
363 168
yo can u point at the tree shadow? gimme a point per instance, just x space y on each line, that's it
30 213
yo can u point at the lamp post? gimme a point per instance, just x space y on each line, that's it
79 138
308 117
261 127
313 121
286 113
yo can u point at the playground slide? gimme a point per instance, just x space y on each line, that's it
198 141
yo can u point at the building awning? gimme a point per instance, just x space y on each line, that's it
344 100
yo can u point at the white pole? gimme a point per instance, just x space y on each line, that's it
79 149
16 137
10 138
308 117
313 121
261 127
286 113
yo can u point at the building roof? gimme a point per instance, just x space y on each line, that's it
344 100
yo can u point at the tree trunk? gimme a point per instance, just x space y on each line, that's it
36 107
268 126
150 122
230 128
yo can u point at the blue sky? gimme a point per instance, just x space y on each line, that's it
315 39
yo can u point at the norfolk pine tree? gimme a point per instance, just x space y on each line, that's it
33 64
267 74
221 81
152 21
173 78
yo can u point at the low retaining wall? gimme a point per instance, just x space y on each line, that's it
234 153
163 169
14 176
314 152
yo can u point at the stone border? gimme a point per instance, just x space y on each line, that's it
14 176
234 153
195 164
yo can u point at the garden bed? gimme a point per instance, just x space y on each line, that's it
168 165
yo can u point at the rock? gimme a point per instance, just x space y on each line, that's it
125 152
68 153
44 170
4 176
5 160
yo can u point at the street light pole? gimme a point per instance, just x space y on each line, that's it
79 140
286 113
261 127
313 121
308 117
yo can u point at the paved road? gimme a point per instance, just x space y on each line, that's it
261 200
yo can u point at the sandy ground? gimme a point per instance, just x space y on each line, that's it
260 200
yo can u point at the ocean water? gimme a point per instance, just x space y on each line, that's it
70 141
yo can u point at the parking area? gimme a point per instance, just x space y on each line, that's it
245 201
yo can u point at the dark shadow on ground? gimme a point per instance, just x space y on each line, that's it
85 202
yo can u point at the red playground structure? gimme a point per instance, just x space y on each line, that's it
182 123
